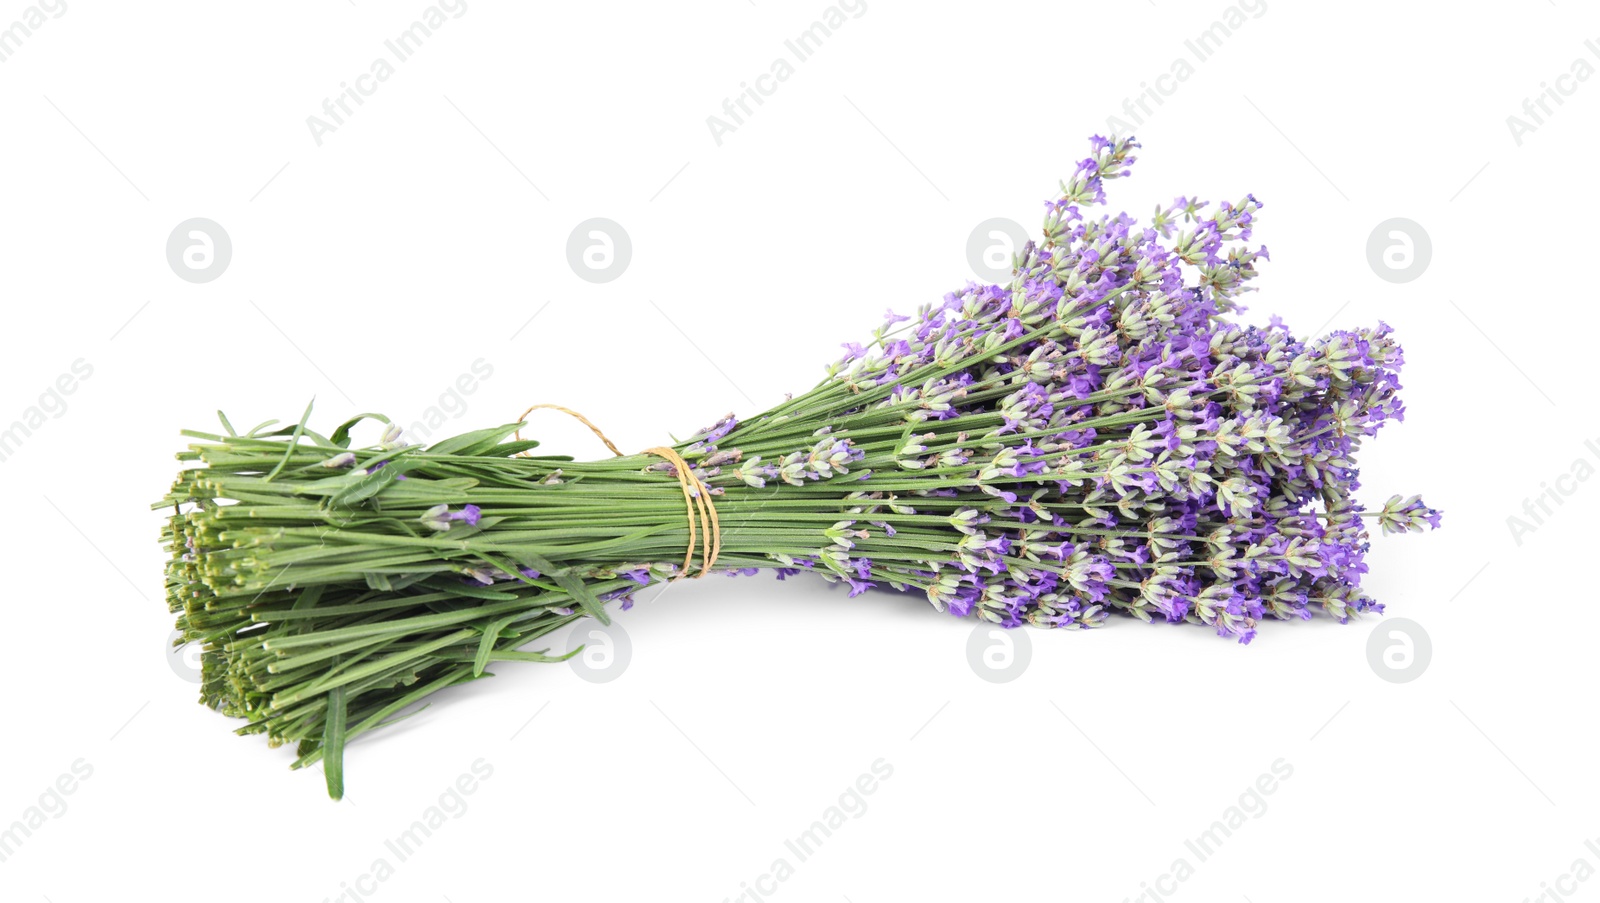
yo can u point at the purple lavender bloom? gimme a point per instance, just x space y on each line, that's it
440 517
1408 515
961 602
857 586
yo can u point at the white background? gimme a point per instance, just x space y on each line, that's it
372 270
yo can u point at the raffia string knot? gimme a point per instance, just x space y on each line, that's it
705 532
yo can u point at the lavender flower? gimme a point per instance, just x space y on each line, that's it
440 517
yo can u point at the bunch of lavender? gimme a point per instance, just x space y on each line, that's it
1095 437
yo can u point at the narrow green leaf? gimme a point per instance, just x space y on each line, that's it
333 743
486 645
507 449
540 656
368 485
305 433
467 590
287 452
565 579
258 428
475 442
341 436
